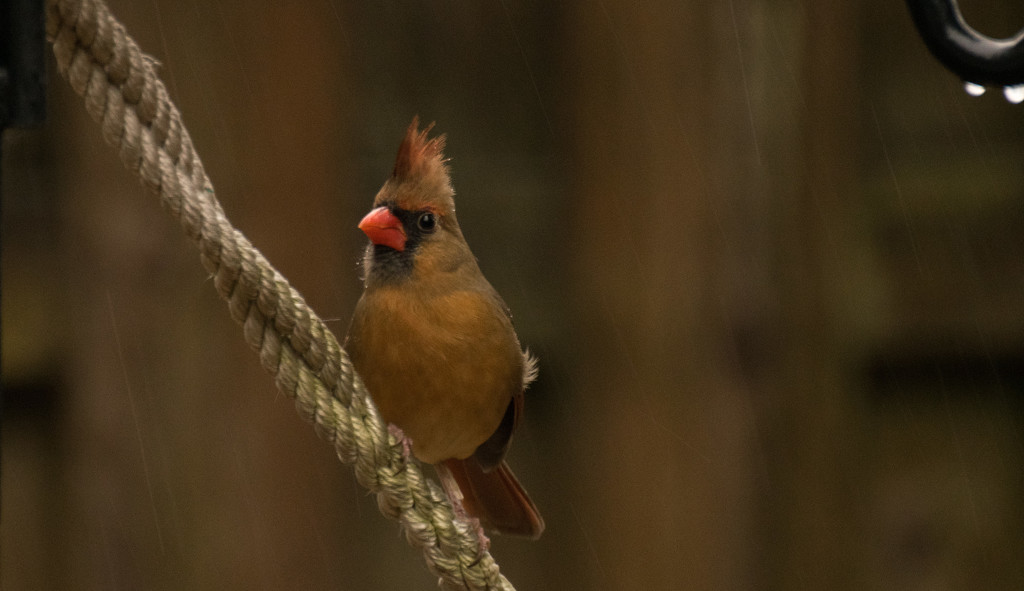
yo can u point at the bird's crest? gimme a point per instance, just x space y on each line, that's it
419 156
422 169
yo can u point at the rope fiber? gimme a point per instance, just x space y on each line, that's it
123 93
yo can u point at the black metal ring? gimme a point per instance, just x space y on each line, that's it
966 52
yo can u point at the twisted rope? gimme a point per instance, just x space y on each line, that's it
124 95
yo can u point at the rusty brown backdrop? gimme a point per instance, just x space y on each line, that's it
769 252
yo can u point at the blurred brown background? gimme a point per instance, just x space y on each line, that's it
770 253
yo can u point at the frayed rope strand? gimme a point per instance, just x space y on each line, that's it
122 92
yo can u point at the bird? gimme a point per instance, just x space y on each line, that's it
435 345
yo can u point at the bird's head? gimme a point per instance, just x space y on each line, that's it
412 223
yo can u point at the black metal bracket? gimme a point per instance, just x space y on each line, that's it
974 57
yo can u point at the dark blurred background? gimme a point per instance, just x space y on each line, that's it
769 252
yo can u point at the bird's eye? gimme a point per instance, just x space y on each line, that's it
426 221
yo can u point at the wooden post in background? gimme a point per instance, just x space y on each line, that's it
767 252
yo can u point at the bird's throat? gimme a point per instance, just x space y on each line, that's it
385 265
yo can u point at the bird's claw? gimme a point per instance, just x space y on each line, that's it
404 441
462 515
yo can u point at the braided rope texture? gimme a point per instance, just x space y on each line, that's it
123 93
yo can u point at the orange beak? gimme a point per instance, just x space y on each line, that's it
382 227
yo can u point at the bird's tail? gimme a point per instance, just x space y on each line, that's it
494 497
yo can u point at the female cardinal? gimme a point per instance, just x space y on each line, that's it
434 343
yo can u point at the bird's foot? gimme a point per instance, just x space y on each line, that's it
462 515
481 537
404 441
454 494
